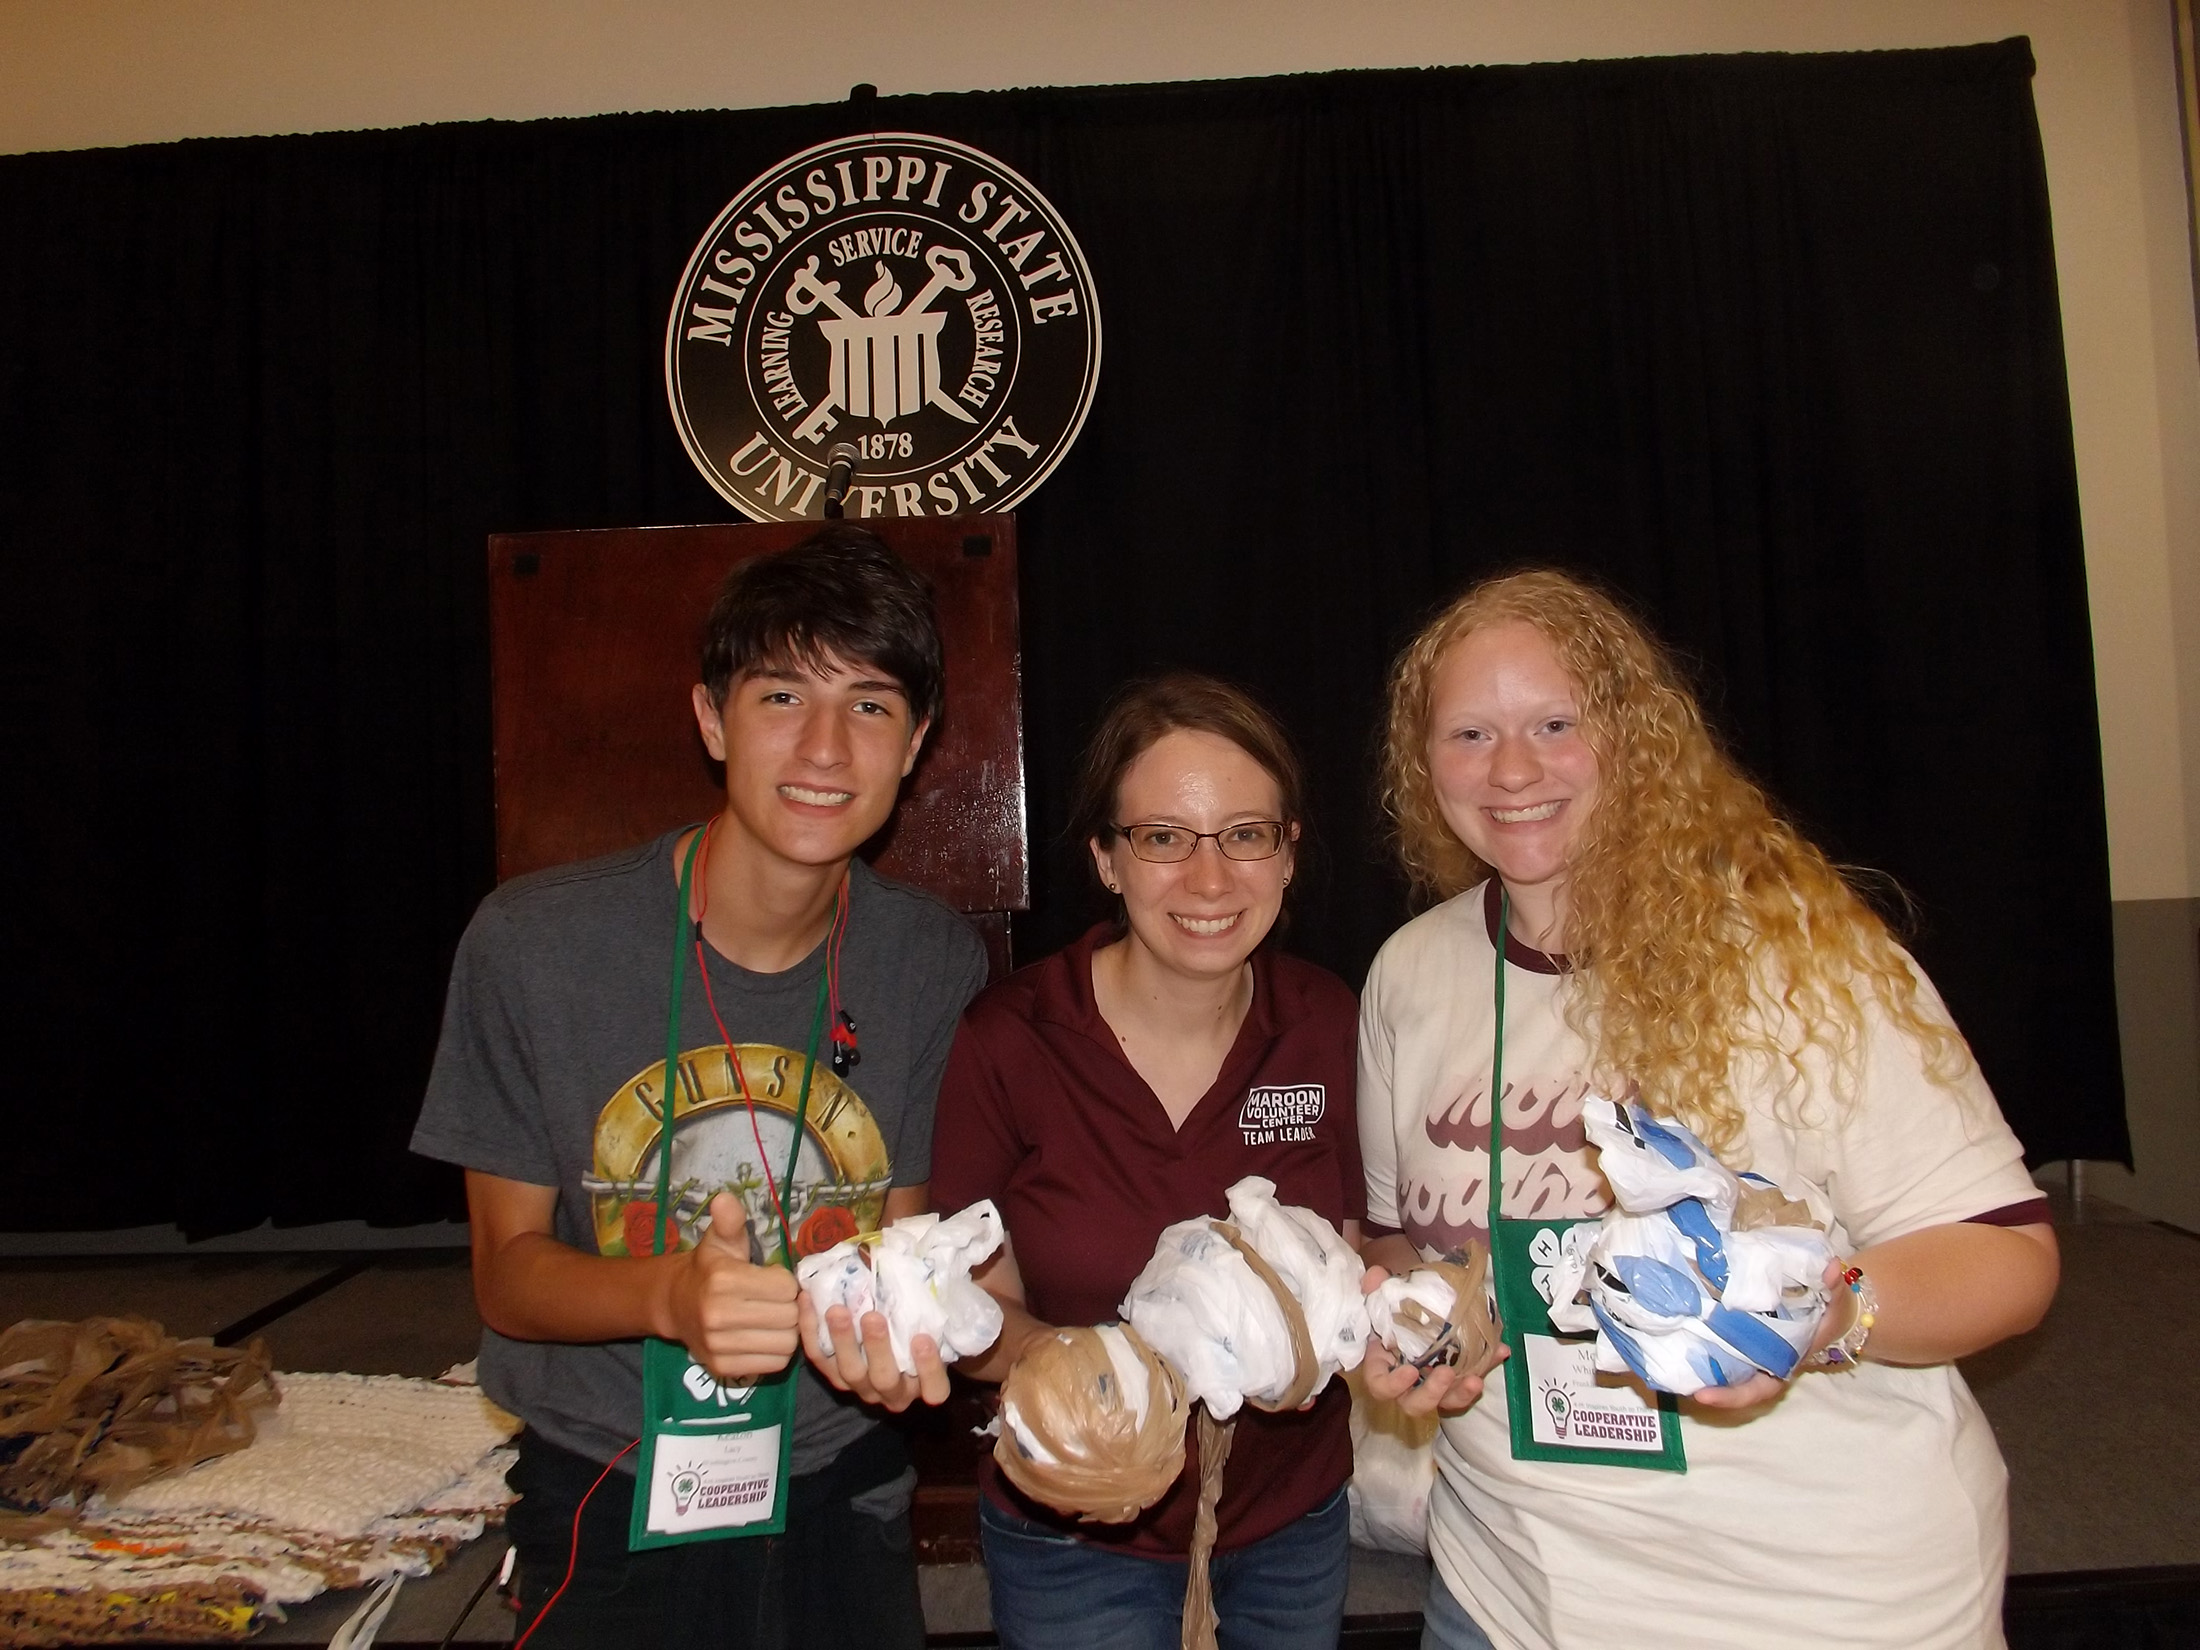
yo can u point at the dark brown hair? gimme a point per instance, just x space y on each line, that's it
1145 711
840 593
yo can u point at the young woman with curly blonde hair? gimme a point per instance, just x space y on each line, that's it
1667 936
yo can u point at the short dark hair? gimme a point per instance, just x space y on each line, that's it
1147 710
839 593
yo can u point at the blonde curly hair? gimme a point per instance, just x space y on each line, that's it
1688 894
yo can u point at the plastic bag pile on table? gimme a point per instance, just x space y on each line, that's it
103 1404
1701 1276
915 1274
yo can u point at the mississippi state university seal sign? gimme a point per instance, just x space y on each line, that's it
906 294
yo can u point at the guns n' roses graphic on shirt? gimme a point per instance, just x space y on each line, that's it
842 1174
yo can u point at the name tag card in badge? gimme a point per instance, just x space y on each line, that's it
1559 1410
713 1457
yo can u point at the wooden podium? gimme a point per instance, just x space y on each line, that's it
593 645
593 642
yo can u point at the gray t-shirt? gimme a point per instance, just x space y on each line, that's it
551 1063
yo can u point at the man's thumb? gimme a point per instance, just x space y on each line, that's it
729 1225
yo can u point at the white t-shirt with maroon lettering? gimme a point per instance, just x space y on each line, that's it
1865 1508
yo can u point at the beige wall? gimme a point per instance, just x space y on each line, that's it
77 73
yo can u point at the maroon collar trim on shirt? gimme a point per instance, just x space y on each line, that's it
1065 991
1517 951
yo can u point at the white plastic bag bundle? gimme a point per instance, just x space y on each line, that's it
1409 1335
922 1265
1316 1265
1393 1474
1261 1310
918 1279
1678 1290
838 1276
1201 1306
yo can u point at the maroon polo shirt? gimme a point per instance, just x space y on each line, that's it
1041 1112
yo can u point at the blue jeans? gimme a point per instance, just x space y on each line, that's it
1445 1624
1052 1591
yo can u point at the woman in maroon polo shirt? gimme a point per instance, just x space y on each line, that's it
1122 1085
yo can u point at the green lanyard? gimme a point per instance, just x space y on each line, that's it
671 1087
681 928
714 1458
1497 1066
1555 1406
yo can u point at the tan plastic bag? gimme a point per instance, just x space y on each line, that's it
108 1403
1108 1465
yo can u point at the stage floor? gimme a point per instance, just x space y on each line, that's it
2093 1411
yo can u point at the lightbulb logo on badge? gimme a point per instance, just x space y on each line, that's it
909 295
685 1483
1558 1406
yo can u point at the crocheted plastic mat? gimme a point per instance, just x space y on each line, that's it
214 1611
340 1452
364 1477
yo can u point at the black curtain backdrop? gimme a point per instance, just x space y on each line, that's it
1771 344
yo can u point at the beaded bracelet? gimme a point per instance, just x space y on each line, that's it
1846 1352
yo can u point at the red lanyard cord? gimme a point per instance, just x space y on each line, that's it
834 934
572 1563
843 1027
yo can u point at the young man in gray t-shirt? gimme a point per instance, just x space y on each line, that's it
821 677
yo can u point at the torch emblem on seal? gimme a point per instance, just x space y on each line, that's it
886 361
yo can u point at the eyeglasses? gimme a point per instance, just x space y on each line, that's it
1172 844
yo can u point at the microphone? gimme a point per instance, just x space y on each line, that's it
840 471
